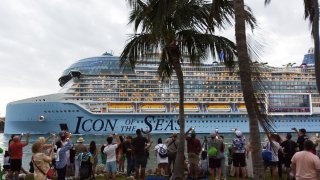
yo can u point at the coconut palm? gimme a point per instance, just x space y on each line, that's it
170 30
245 71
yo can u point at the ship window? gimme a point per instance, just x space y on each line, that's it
61 111
49 111
43 100
57 111
64 110
77 110
45 111
69 110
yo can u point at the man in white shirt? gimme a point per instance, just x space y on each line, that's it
161 152
110 153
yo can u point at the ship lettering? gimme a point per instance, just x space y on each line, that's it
148 123
94 125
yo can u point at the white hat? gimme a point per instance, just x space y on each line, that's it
80 140
238 133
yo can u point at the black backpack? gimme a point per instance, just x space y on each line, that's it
163 153
85 170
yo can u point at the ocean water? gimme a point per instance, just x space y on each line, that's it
101 139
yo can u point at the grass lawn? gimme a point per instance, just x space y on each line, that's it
124 178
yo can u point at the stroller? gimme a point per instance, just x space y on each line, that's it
85 169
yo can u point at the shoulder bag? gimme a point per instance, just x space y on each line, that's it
50 172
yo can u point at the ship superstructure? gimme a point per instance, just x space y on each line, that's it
98 97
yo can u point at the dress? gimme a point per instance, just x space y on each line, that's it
42 161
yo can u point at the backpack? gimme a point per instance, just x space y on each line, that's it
267 154
212 152
163 153
85 169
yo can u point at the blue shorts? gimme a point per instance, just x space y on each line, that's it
111 167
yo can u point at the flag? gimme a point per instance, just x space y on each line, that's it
221 56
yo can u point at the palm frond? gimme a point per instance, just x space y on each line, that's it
249 17
197 46
138 47
165 68
309 12
266 2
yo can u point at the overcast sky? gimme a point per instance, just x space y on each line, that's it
41 38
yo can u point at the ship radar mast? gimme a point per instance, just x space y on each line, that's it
108 53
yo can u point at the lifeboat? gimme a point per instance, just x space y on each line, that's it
153 108
120 107
189 108
242 108
219 108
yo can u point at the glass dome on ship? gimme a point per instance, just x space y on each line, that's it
98 97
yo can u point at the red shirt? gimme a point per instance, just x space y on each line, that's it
16 150
193 145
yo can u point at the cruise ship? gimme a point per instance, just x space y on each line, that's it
98 97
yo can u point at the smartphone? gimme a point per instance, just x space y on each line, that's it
317 134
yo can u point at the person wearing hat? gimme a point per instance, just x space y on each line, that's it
215 143
193 149
172 144
79 148
289 149
238 153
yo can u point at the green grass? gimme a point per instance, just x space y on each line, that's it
267 176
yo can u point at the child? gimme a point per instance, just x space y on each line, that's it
6 162
204 166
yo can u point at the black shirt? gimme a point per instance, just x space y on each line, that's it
301 140
127 145
289 147
138 144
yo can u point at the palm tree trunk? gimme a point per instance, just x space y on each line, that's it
247 88
315 32
178 171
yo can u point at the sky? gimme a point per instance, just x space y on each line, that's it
41 38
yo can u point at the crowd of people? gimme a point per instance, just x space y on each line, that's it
211 158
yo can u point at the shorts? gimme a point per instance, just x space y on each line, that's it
15 164
193 158
214 163
6 167
271 163
140 161
239 160
111 167
287 161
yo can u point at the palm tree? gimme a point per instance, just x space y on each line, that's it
311 12
248 90
177 29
